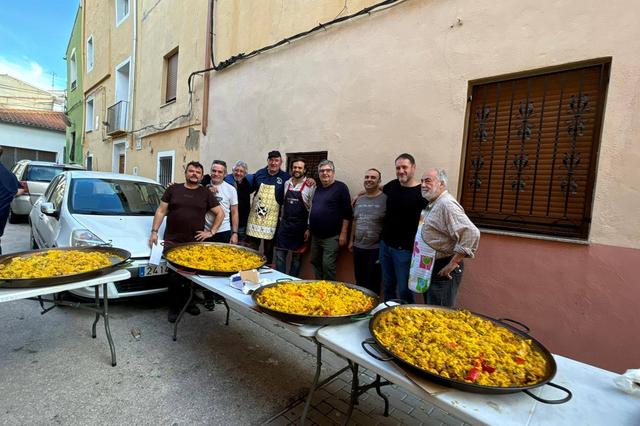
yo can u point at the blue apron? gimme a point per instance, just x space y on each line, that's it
293 224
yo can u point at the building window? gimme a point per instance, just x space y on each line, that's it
90 53
165 167
122 11
89 115
89 162
311 160
73 70
171 76
531 151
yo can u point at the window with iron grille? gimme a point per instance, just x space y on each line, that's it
531 152
171 66
165 170
311 160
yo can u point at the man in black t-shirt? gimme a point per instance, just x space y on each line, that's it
404 205
185 206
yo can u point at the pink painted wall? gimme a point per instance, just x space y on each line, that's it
580 301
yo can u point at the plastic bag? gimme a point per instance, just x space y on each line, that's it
629 382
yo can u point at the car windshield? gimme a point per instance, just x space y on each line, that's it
114 197
42 173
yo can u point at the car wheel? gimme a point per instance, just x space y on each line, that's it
14 218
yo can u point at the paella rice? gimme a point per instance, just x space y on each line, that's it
215 258
461 346
319 298
54 263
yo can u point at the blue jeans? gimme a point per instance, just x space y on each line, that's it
395 273
281 262
443 291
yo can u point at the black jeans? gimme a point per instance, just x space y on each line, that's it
443 291
366 266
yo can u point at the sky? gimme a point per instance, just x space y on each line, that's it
33 40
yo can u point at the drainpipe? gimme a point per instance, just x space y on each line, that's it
133 68
207 64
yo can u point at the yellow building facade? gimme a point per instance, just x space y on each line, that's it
145 121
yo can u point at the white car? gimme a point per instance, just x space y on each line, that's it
83 208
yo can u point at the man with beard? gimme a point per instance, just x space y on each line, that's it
329 219
404 205
292 231
185 206
268 184
368 216
450 232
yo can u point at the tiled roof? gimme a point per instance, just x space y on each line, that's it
51 120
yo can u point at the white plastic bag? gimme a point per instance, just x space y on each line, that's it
629 382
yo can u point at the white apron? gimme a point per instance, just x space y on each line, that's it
263 216
422 261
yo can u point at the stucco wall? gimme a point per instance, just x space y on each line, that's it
397 81
75 96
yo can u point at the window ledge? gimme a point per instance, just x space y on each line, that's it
173 101
535 236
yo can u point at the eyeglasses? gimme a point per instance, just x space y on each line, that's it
325 171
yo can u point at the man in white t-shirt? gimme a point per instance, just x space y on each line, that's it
227 196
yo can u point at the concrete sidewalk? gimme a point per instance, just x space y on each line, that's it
250 372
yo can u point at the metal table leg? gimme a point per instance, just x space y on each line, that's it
181 314
107 329
357 390
226 306
316 384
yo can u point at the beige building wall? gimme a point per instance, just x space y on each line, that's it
397 81
164 27
112 46
17 94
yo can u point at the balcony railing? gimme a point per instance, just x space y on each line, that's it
117 118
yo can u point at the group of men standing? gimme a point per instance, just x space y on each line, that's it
410 234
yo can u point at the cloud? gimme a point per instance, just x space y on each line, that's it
30 71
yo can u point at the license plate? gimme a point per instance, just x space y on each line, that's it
150 270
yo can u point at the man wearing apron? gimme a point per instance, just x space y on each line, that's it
292 232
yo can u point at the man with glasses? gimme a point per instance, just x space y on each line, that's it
328 221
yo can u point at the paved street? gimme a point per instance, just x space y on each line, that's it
247 373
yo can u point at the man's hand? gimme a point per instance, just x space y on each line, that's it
153 239
311 182
447 270
203 235
307 235
234 238
213 189
351 246
342 240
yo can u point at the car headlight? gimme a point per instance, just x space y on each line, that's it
84 237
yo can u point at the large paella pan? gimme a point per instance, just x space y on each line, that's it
463 350
46 267
315 302
213 259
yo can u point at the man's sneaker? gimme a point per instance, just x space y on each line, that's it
193 310
172 317
209 304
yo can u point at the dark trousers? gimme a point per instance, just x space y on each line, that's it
281 262
178 292
268 246
366 266
324 254
442 290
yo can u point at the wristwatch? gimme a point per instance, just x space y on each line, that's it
154 230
